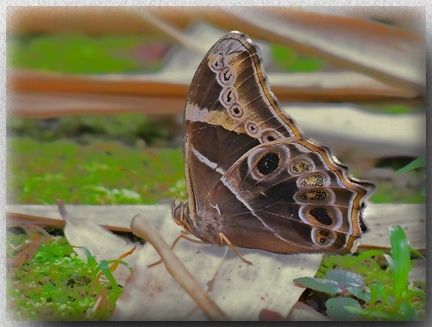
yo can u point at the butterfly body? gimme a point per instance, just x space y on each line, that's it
250 174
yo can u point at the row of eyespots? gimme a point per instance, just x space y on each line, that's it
306 194
329 218
225 77
263 163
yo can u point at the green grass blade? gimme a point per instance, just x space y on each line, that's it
418 163
401 259
417 253
91 261
104 267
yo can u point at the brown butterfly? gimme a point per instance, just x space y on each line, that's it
250 175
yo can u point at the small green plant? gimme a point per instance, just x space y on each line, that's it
104 267
55 284
373 298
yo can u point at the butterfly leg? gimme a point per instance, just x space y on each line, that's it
183 235
227 241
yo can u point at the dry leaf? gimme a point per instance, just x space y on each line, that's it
41 94
412 218
27 250
240 290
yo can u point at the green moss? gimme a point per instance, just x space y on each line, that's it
72 53
292 61
84 129
41 172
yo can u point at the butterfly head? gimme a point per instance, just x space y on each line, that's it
180 214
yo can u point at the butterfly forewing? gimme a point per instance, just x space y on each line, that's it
230 93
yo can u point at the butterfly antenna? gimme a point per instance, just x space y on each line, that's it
156 158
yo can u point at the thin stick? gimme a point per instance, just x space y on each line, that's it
142 228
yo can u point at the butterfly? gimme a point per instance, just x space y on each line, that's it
250 175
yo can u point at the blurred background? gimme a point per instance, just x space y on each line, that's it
92 90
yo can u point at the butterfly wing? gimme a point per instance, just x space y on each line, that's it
249 173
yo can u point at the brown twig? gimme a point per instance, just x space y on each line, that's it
142 228
15 219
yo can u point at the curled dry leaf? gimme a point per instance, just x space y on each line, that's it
26 251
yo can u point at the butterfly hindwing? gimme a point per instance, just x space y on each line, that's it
293 190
